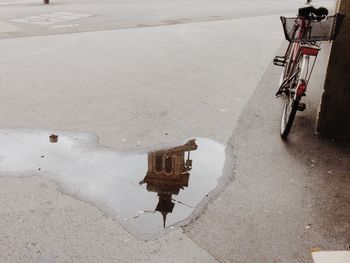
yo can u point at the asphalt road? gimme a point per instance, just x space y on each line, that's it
187 80
142 75
109 14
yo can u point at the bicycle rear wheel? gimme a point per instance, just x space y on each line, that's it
291 102
290 107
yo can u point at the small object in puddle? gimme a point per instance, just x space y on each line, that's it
53 138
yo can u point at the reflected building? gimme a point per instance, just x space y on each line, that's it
168 172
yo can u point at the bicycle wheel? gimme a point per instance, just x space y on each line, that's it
290 105
286 69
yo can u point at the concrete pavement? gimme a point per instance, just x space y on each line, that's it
287 198
275 201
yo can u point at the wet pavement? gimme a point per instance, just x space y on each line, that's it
66 16
288 198
177 73
146 192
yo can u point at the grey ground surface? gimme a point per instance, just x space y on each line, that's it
114 14
287 198
137 84
201 70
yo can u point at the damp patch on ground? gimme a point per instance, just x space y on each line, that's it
52 18
147 192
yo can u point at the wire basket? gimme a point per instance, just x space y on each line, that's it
324 30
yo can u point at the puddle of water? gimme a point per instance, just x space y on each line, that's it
144 191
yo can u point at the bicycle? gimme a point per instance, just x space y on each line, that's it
304 33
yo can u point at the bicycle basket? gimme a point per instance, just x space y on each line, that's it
323 30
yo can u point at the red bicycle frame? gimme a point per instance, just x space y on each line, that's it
299 54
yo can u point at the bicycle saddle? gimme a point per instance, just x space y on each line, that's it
310 12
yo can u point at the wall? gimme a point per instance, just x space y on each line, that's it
334 116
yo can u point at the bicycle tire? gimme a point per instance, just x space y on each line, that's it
290 105
290 108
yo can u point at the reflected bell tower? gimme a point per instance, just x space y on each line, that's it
168 172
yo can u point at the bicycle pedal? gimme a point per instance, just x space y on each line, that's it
279 93
279 61
301 106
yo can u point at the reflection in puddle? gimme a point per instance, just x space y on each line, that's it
145 192
168 172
